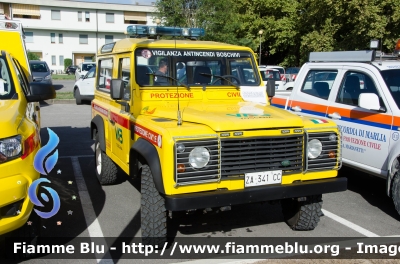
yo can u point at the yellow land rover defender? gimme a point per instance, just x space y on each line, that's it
19 127
192 119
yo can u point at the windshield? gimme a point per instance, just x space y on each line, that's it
7 90
392 80
164 67
86 67
270 75
39 67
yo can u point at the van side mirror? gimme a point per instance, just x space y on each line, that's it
40 92
117 89
370 101
271 88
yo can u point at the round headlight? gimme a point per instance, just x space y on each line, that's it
314 148
199 157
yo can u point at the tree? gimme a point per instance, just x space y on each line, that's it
32 56
292 28
67 63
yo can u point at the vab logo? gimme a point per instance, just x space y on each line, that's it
44 166
118 135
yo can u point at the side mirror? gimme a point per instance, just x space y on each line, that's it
40 92
271 88
117 89
369 101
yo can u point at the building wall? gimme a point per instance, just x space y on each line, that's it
69 26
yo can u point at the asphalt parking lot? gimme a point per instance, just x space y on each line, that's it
90 210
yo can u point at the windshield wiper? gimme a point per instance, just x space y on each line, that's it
170 78
220 77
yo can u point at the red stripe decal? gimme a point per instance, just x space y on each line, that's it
149 135
120 120
100 109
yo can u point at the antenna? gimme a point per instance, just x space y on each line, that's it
179 114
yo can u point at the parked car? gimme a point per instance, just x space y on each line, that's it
71 69
83 68
360 92
84 87
291 73
276 67
268 73
40 71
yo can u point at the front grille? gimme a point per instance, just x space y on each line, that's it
330 157
240 156
210 173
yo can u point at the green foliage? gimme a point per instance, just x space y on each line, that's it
291 28
32 56
67 63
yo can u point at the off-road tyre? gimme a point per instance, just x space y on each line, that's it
304 215
77 96
106 169
396 192
153 213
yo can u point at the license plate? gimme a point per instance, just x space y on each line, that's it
262 178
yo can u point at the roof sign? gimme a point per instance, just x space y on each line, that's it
340 56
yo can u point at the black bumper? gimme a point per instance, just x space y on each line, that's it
254 194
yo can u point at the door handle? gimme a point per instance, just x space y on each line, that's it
296 109
112 122
334 116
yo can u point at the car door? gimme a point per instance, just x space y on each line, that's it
312 98
365 133
87 84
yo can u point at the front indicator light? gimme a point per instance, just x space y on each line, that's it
332 154
2 158
181 168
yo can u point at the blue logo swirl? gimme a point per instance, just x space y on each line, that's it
35 200
49 164
44 151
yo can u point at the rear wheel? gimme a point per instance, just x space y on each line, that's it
77 95
106 169
153 212
302 215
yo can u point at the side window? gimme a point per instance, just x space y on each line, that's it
354 84
21 78
124 73
318 83
104 75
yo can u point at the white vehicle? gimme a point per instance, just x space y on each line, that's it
84 87
272 73
361 93
84 67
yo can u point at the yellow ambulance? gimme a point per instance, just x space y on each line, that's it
20 126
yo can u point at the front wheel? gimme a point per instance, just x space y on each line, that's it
78 98
396 192
152 211
106 169
302 215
